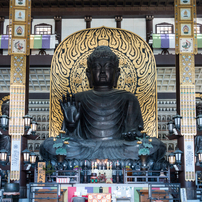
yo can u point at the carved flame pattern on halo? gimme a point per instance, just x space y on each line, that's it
137 64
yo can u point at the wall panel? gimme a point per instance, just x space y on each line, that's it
136 25
110 22
69 26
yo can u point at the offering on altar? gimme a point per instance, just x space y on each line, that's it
102 178
94 178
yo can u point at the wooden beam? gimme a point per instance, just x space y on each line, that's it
45 60
100 12
116 2
74 3
80 12
41 3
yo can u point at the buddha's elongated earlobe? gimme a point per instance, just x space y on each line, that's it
117 74
88 74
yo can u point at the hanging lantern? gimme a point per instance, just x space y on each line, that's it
171 158
170 127
199 121
3 155
27 119
200 156
4 122
34 127
32 157
178 156
26 154
177 121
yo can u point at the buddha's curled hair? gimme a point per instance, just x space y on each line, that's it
103 52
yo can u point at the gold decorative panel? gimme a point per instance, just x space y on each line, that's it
137 64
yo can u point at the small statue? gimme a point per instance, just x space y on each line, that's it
102 123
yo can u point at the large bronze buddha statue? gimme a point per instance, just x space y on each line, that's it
102 123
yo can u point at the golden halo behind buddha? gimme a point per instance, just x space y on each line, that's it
136 61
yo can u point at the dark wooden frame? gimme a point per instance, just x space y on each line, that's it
42 24
7 29
164 24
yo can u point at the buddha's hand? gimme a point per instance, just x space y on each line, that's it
129 136
71 111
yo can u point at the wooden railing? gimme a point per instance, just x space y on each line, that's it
144 177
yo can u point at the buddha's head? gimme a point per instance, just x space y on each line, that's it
103 71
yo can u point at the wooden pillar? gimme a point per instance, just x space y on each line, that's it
118 20
31 25
58 27
19 87
149 27
1 31
185 90
88 20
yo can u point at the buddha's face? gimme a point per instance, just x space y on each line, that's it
103 72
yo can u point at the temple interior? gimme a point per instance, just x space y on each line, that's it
45 46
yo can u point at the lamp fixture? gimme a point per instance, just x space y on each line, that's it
177 121
199 122
4 122
27 119
3 156
178 156
200 156
170 127
171 158
32 157
34 127
26 154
